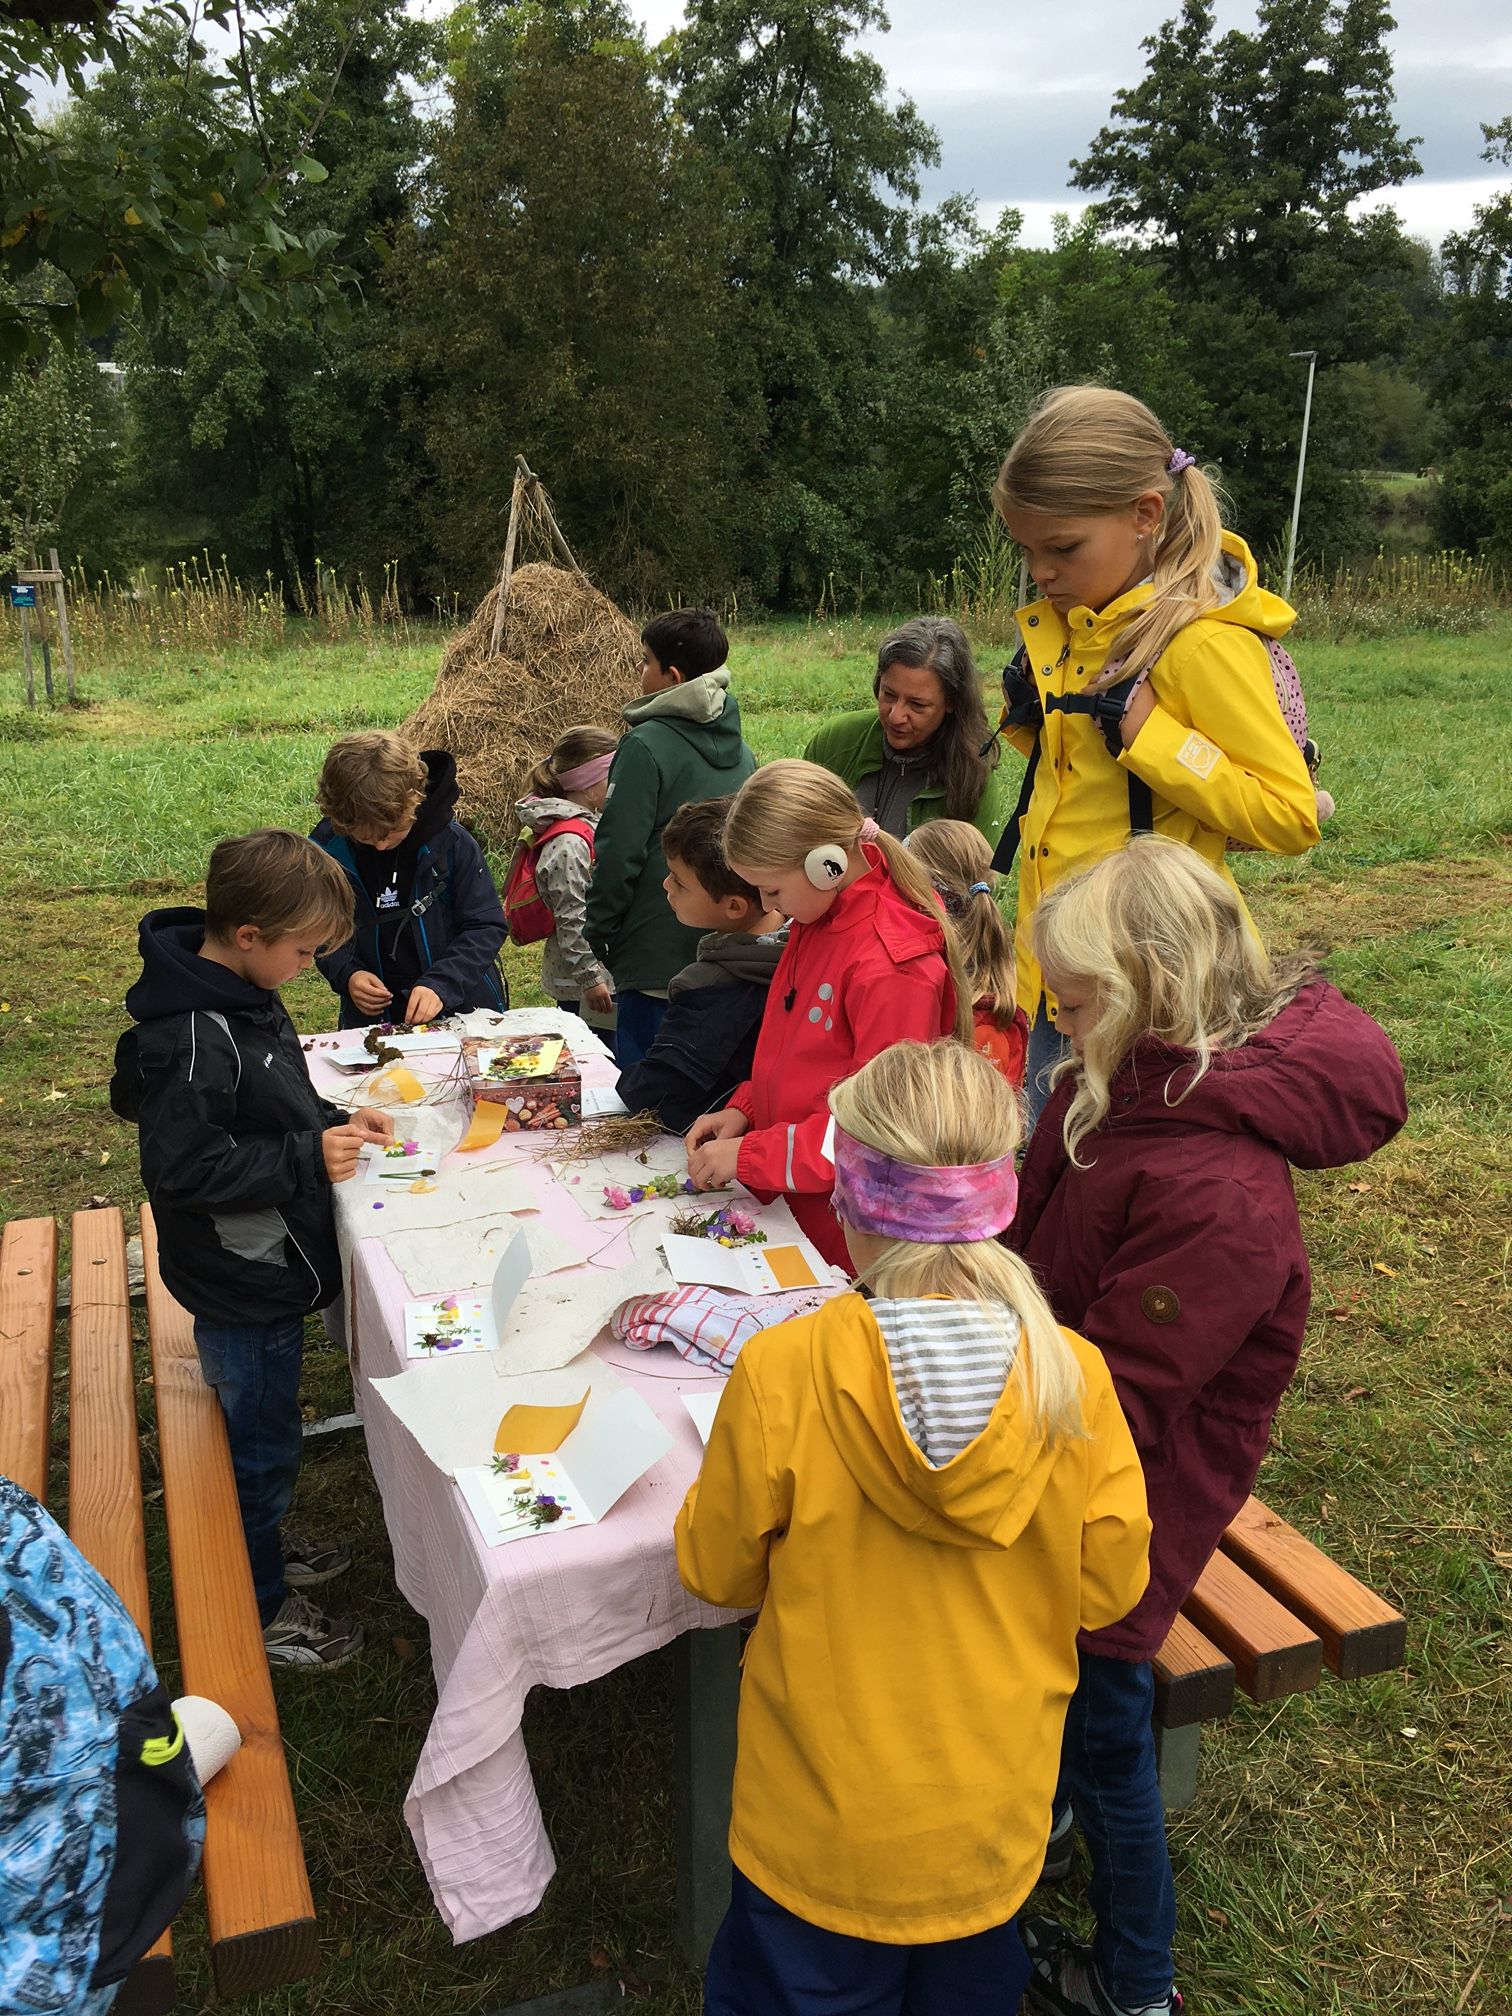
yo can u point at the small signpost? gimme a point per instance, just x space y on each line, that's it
23 596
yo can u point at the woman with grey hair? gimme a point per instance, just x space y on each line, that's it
917 754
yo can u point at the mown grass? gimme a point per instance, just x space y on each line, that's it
1349 1848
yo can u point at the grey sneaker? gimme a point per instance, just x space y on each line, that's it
1060 1850
1065 1980
301 1635
308 1563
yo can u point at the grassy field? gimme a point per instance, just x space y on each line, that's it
1349 1849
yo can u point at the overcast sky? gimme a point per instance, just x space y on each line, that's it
1016 91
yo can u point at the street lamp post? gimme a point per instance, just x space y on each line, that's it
1291 543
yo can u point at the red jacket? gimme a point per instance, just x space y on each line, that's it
1006 1049
868 973
1178 1252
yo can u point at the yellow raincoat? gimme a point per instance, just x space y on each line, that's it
1216 753
906 1683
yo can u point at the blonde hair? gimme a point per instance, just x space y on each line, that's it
790 807
1085 451
945 1105
371 782
577 745
1164 944
958 858
280 882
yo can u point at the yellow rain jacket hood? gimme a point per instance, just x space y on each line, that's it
1216 751
906 1684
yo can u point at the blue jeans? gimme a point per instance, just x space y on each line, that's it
1108 1775
254 1368
640 1016
767 1962
1046 1048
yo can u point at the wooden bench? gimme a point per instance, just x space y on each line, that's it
257 1893
1268 1614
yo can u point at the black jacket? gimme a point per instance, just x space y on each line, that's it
448 924
707 1040
230 1126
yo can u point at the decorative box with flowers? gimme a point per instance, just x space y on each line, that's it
535 1080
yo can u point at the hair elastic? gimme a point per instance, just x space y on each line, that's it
980 889
869 831
1179 461
586 775
924 1203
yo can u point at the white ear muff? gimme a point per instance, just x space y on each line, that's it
825 865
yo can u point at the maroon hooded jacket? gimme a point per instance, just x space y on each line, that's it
1178 1252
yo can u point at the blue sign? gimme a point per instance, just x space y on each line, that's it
24 597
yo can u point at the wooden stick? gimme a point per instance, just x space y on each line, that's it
506 569
63 630
31 683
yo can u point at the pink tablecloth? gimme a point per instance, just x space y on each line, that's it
551 1611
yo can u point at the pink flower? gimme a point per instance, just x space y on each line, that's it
741 1223
616 1198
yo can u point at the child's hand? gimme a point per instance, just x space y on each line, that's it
712 1166
599 999
374 1124
423 1005
368 993
728 1124
342 1148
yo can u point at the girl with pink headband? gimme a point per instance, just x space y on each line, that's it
925 1494
869 960
557 817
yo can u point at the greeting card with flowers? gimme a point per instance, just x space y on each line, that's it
614 1440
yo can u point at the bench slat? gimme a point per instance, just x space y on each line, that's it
1361 1633
262 1915
1194 1681
28 1291
1272 1653
106 1520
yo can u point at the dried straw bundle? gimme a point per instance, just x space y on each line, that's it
565 655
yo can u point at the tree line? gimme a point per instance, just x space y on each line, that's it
342 264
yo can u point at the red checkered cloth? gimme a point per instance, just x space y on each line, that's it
707 1326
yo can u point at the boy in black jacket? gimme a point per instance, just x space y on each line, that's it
239 1153
428 920
707 1039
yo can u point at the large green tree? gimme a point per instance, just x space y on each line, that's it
1471 372
279 433
825 171
562 289
192 204
1239 163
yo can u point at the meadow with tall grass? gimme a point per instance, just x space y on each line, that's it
1348 1850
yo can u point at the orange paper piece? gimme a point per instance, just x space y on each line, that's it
397 1086
487 1125
540 1429
789 1268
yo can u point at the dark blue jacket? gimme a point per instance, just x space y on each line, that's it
453 925
706 1043
216 1080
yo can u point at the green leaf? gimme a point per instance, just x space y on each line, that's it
311 169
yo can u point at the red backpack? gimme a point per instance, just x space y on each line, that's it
526 911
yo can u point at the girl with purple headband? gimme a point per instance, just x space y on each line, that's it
1147 602
924 1494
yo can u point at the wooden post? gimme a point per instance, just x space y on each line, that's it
506 568
705 1701
63 630
31 684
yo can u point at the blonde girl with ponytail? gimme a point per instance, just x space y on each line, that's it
926 1493
1123 534
958 860
869 960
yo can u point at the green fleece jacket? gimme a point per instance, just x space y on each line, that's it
682 745
851 746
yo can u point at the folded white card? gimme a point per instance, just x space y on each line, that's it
616 1442
469 1319
745 1270
601 1102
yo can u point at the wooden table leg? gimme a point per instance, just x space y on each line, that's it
1176 1764
706 1696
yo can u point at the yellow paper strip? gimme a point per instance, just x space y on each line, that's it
542 1430
789 1266
487 1125
400 1082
